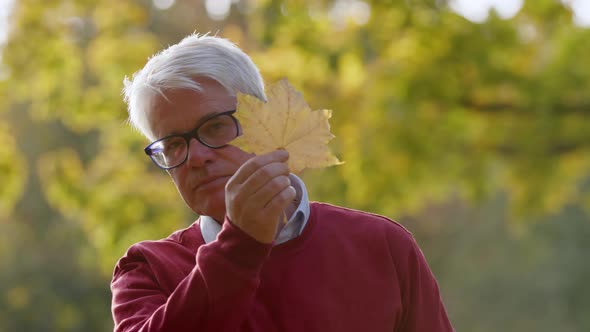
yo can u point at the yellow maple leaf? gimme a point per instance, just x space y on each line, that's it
285 122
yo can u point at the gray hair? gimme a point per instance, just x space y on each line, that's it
179 65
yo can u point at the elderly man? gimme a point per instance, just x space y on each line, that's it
239 267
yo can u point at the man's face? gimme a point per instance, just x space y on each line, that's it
201 179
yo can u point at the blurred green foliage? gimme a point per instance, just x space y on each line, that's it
475 136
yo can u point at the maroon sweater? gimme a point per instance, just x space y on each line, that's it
347 271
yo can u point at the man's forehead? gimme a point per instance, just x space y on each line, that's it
178 110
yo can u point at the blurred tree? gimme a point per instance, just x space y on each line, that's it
430 105
429 108
497 278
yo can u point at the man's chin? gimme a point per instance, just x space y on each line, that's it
212 205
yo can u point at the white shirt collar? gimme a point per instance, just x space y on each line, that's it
294 226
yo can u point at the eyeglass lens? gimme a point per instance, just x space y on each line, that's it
214 133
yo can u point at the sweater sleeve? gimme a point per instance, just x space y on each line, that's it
423 309
217 295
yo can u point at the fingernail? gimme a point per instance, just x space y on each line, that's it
283 152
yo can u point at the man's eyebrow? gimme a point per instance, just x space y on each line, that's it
202 120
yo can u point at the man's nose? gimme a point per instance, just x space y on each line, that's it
198 153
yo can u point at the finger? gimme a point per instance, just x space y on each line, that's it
277 205
268 191
253 164
261 177
264 175
259 199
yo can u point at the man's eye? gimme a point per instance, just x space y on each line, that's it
214 128
171 147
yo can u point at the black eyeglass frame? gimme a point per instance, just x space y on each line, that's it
193 133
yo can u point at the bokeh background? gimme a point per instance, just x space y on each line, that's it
466 121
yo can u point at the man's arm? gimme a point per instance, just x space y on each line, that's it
219 292
423 309
216 295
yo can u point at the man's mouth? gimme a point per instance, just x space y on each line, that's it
210 182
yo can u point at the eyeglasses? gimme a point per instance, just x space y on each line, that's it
215 132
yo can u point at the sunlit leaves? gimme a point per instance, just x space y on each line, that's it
13 172
81 53
131 14
49 73
18 297
62 175
115 198
435 106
